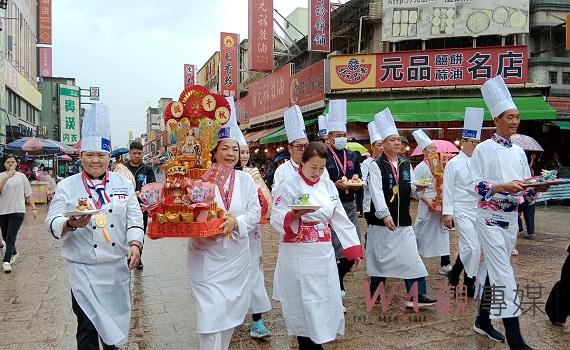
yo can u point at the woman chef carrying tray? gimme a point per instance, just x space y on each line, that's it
97 245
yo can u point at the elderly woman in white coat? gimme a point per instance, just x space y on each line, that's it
100 249
219 266
306 266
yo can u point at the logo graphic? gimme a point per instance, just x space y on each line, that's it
353 72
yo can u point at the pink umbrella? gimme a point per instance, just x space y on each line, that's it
526 142
443 146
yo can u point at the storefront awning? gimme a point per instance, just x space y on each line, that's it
562 124
280 135
442 109
254 136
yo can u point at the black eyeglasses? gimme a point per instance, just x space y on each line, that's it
299 147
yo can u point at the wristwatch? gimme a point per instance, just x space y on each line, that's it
72 228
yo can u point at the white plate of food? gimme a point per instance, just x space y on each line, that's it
304 207
353 184
82 212
422 184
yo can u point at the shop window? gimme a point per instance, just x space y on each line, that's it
566 78
553 77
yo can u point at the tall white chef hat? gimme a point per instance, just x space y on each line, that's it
294 124
497 96
96 129
421 138
374 132
385 123
233 117
230 130
472 123
337 116
323 127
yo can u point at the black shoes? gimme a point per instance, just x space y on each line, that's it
490 332
423 301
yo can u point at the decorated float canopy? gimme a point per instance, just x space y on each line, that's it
184 205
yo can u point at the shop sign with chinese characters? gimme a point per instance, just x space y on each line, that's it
448 67
320 25
260 52
189 75
229 64
69 114
269 97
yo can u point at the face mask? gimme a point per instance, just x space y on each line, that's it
340 142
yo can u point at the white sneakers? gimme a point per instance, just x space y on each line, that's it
14 258
6 267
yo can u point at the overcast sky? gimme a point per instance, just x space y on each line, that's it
135 54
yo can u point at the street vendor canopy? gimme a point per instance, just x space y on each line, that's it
442 109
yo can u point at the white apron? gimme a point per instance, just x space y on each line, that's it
497 234
309 291
393 253
98 271
259 299
102 292
469 246
306 278
219 269
432 236
496 243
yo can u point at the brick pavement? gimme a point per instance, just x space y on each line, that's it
35 307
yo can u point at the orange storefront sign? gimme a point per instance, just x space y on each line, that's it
353 72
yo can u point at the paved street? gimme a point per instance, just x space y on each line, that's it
35 303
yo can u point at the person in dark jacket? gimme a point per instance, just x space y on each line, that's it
143 174
342 165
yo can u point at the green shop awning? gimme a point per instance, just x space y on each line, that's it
441 109
279 135
562 124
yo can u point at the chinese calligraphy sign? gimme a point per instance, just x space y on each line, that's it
319 26
260 36
450 67
229 64
69 114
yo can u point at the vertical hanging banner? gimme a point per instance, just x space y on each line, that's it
189 70
45 61
568 31
229 64
44 21
320 25
260 36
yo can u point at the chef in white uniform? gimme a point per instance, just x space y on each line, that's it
431 234
219 267
497 167
97 246
297 139
459 204
391 249
377 149
260 302
306 266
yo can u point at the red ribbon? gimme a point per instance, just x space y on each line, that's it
337 160
227 197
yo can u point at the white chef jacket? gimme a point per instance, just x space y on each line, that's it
306 278
494 161
219 269
98 270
